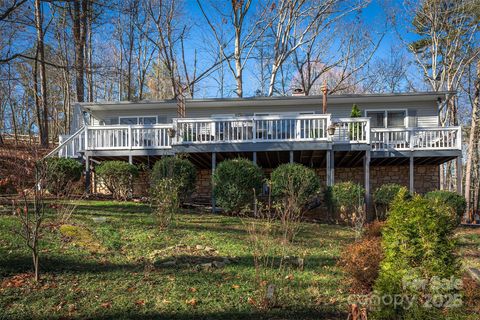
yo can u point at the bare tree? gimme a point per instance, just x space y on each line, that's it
299 23
43 75
245 35
448 32
30 210
475 102
388 74
79 14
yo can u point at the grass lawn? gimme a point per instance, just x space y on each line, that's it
468 240
103 270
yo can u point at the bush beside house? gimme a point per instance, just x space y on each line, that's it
293 185
60 172
117 177
294 178
450 199
180 171
346 200
234 184
383 197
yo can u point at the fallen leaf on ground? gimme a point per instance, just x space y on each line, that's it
289 277
192 289
192 302
106 305
16 281
235 286
140 302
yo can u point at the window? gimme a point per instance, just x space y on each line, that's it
147 120
138 120
129 120
396 119
387 118
377 119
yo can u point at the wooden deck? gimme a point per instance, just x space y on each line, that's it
310 132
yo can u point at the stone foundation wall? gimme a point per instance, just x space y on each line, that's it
427 177
204 184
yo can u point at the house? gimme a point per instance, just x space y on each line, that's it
398 139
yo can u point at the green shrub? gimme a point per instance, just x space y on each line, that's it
292 186
234 182
383 198
346 199
60 172
181 171
355 128
451 199
117 177
166 201
296 178
419 249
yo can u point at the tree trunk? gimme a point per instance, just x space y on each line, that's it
273 78
43 77
38 111
471 141
238 64
36 268
79 28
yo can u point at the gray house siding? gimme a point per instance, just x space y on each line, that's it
420 113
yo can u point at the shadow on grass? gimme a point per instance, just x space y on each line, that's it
185 264
116 209
20 264
293 313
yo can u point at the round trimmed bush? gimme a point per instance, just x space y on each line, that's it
234 182
294 178
451 199
346 196
181 171
60 172
383 198
117 177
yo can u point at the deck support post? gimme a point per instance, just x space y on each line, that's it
214 165
291 156
366 170
412 174
130 159
330 168
254 157
459 175
87 174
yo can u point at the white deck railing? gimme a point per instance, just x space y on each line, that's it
128 137
252 129
351 130
280 128
416 138
70 146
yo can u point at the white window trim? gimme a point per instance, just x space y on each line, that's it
138 118
385 115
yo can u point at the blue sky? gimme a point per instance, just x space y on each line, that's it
374 16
